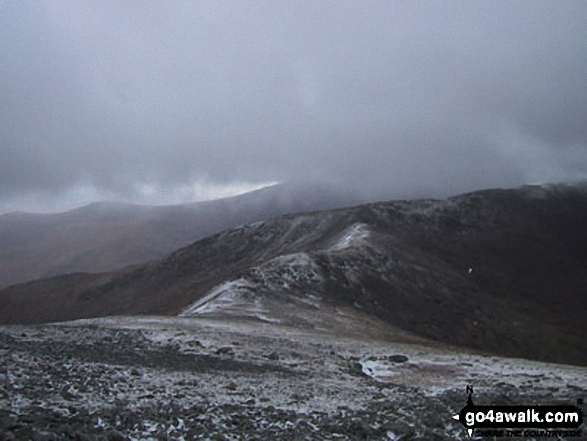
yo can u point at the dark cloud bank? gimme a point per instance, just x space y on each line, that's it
168 101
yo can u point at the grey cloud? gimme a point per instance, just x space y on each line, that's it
437 97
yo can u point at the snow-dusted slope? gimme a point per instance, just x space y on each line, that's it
496 270
254 295
352 236
150 378
107 236
390 260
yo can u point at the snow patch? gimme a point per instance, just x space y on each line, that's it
288 270
259 291
353 236
378 370
220 297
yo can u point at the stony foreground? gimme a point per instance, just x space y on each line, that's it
157 378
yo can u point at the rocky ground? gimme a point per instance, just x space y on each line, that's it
155 378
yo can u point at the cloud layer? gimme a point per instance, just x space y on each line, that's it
108 98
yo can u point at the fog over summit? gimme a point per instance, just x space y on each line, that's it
151 102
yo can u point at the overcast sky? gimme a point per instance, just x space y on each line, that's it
171 101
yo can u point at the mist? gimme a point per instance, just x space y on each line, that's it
170 102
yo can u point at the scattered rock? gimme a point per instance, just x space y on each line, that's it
116 436
66 394
225 350
398 358
203 396
356 368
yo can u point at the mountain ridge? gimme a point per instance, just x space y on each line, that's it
496 270
105 236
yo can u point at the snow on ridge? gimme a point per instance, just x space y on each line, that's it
353 236
427 207
284 271
536 191
243 295
223 295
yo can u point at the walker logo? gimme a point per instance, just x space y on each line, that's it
520 421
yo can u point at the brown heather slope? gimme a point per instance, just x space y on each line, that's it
106 236
409 266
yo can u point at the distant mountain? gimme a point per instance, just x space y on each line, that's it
107 236
497 270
